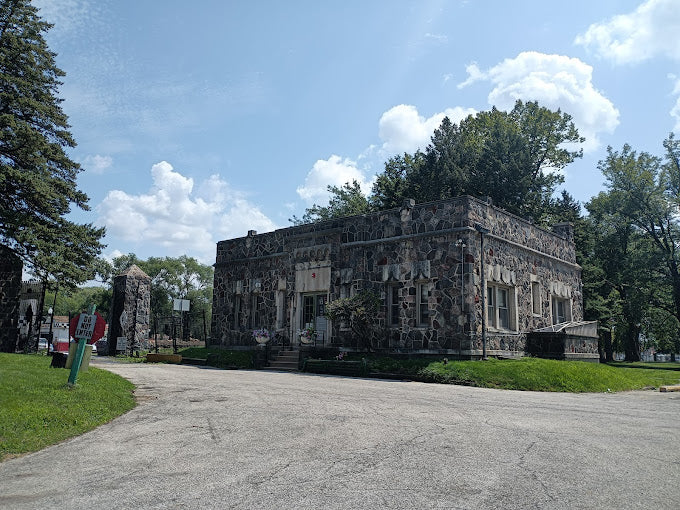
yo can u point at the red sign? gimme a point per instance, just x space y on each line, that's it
99 328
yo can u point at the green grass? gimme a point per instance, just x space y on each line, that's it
654 365
530 374
39 409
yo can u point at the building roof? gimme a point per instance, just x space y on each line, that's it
134 270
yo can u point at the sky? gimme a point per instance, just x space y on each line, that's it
198 121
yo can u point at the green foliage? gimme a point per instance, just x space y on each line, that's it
533 374
633 270
39 409
359 312
513 157
37 178
221 358
72 301
346 200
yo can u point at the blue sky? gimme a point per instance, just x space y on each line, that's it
198 121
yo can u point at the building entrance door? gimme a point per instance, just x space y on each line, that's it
313 315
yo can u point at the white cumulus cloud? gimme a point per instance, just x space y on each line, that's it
652 29
403 129
97 164
334 171
555 81
181 220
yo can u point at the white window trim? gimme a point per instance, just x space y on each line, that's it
420 323
393 290
567 310
492 322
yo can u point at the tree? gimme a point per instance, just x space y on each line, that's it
37 178
359 312
514 157
389 188
346 200
643 199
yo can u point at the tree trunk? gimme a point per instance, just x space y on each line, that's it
632 343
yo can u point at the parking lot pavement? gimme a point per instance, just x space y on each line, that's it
205 438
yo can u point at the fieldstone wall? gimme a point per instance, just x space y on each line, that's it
30 315
428 254
132 301
10 289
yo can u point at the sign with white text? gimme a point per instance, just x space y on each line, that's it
121 343
180 305
85 327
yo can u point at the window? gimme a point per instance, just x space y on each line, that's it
535 298
422 305
561 310
237 311
280 308
392 305
500 307
307 310
256 306
313 306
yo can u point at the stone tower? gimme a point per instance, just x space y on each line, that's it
10 290
130 309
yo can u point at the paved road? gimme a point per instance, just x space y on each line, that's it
204 438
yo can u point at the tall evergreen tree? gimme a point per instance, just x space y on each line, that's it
37 177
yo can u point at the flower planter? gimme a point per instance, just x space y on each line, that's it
306 339
262 339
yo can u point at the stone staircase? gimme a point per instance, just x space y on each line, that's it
285 360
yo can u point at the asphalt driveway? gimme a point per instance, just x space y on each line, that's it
204 438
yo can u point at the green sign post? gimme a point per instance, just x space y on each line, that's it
84 332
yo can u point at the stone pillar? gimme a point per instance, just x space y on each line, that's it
10 289
132 295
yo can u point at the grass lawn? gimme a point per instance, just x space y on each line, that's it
531 374
39 409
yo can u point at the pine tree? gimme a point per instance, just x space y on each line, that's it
37 177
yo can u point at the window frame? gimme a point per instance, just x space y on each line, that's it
495 312
536 303
554 302
393 306
423 316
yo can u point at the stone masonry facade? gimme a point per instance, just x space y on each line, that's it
425 263
10 291
130 310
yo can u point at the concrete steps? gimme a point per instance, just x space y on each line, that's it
285 360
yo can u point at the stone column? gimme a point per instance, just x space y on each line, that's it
132 302
10 289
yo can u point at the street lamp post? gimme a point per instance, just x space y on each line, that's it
483 230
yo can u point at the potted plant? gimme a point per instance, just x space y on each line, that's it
261 336
307 335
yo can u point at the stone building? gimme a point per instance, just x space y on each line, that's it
425 262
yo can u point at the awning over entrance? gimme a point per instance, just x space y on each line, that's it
575 328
